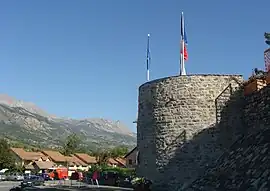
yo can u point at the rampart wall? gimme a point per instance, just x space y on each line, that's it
245 166
184 125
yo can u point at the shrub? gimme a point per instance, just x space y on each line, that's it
121 171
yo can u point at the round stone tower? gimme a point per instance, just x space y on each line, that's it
174 114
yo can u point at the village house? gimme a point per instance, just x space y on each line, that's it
89 160
75 163
72 162
56 157
42 166
29 160
48 159
119 162
131 158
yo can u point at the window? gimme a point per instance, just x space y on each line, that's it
130 161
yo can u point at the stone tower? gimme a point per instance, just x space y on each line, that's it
173 114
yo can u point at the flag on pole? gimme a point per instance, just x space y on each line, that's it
183 51
184 38
148 57
267 60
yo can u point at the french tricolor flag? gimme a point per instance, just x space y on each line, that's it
184 40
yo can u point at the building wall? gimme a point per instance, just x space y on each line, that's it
257 109
172 112
245 166
133 157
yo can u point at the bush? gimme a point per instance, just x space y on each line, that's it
121 171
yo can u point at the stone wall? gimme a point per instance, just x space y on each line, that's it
177 133
257 108
245 166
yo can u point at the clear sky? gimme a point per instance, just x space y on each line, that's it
86 58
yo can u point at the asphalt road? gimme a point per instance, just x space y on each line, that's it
7 185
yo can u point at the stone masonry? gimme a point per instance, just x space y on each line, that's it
177 134
246 165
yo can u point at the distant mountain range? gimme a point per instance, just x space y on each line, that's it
25 123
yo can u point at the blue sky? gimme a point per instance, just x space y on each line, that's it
87 58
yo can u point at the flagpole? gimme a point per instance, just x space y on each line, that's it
180 60
147 59
183 71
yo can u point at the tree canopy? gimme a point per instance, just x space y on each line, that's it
119 151
6 158
102 156
71 145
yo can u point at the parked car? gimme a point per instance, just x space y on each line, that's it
46 176
33 181
15 177
3 177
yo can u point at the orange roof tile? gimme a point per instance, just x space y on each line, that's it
112 161
25 155
55 156
86 158
121 161
43 165
73 160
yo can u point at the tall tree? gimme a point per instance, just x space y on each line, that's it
102 157
119 151
6 158
71 145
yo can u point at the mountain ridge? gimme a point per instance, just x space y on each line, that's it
30 124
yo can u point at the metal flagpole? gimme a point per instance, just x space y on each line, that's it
180 60
148 59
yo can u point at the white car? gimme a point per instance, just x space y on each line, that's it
3 177
15 177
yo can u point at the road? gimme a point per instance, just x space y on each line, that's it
7 185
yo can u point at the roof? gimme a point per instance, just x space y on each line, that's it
55 156
25 155
45 158
86 158
112 161
44 164
121 161
135 148
73 160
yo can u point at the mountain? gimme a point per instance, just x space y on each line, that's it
25 123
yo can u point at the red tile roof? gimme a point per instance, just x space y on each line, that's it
55 156
73 160
86 158
43 165
25 155
121 161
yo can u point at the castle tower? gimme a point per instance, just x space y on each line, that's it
173 113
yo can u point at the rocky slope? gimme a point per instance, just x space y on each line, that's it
26 123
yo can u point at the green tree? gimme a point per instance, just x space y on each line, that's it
102 157
119 151
6 158
71 145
